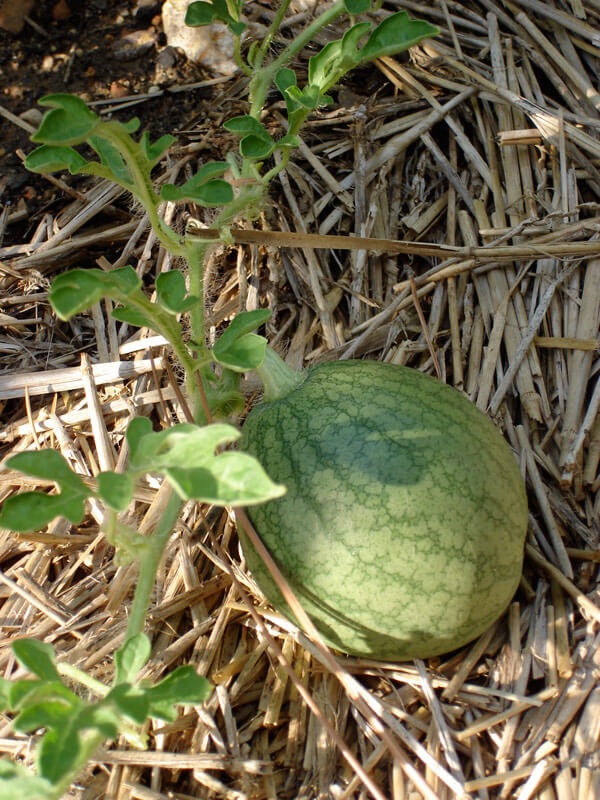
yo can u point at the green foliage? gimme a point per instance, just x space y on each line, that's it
30 511
202 13
77 290
238 348
75 727
256 141
196 460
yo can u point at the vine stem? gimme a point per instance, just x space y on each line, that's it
149 563
261 83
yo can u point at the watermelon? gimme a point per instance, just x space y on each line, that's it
403 526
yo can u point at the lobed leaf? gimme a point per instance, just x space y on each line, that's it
38 657
68 122
32 511
171 292
355 7
132 316
55 158
59 753
153 152
131 657
182 686
394 34
131 702
78 289
115 489
48 465
201 13
17 781
111 158
243 355
231 479
211 194
255 148
247 126
47 714
237 348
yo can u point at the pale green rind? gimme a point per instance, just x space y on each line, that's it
403 525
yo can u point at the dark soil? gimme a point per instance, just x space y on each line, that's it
83 54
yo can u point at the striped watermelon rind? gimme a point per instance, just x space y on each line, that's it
403 525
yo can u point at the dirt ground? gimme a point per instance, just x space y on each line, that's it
82 52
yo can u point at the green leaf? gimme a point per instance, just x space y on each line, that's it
5 687
171 292
154 152
289 140
211 194
69 121
111 158
309 97
243 323
350 40
137 430
131 657
246 126
78 289
20 690
192 445
17 782
38 657
198 14
286 79
255 148
231 479
131 702
237 28
247 353
201 13
59 753
48 465
396 33
127 313
116 489
32 511
102 717
28 693
55 158
234 349
183 686
47 714
355 7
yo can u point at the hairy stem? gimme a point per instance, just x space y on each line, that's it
149 565
260 85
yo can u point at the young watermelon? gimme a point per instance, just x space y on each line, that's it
403 525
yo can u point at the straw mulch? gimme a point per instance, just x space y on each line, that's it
477 161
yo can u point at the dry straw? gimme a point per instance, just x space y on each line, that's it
445 217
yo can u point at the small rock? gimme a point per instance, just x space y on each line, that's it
13 13
47 63
167 57
61 11
133 45
33 116
117 90
212 45
145 9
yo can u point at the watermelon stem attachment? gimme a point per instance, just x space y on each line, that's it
278 379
